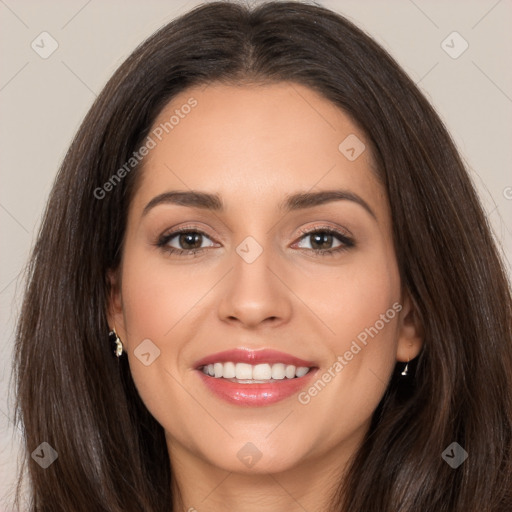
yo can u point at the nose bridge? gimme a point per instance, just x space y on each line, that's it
253 293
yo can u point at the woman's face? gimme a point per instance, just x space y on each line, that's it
258 168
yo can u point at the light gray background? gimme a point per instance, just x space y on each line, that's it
43 101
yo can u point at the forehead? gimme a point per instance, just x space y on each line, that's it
253 143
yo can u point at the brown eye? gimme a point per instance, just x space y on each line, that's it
190 240
183 241
321 241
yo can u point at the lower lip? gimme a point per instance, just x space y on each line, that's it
256 395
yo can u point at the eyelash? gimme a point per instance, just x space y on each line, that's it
346 242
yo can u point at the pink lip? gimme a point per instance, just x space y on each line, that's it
255 395
242 355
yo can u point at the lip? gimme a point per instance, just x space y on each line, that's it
249 356
255 395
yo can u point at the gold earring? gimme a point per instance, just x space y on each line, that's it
119 344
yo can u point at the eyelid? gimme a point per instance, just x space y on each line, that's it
169 234
325 227
343 235
303 231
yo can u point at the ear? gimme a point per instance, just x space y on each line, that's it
115 315
410 333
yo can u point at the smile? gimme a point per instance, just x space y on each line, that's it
260 373
254 378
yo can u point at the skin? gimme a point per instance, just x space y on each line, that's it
253 145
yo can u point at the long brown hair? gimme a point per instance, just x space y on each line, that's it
75 395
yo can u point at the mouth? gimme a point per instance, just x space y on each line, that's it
254 378
254 374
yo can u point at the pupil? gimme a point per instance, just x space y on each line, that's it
319 239
188 239
319 236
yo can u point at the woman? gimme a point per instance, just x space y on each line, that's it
305 304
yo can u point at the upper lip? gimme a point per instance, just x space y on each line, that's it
250 356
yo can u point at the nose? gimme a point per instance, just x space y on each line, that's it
256 293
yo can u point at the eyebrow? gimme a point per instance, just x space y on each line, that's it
293 202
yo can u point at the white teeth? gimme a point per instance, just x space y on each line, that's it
262 372
243 371
289 371
229 371
218 369
258 372
278 371
301 371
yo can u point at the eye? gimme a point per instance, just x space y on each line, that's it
321 240
188 240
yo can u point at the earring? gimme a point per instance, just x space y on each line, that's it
119 345
406 370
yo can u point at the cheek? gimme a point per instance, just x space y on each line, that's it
155 296
161 303
355 296
151 303
361 306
